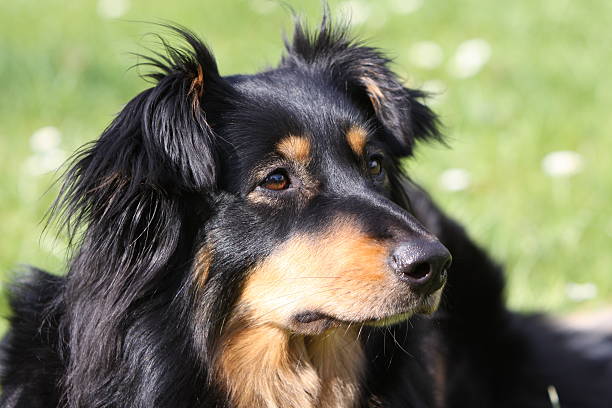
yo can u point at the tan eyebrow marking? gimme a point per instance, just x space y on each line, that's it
357 138
294 148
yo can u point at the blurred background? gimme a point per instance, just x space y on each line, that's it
524 89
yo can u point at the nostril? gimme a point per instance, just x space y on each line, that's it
419 271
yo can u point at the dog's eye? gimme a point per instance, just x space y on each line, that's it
277 180
375 165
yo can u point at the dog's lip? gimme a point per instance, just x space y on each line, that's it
326 320
313 317
316 323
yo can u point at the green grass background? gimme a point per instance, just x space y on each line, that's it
546 87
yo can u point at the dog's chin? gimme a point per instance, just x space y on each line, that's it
425 305
314 323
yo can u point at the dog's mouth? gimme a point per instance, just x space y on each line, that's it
313 323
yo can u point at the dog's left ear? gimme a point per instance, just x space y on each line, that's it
364 73
399 110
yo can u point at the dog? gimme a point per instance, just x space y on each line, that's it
252 241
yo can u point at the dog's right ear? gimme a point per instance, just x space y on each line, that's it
162 140
162 137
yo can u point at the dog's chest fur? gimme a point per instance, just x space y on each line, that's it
267 367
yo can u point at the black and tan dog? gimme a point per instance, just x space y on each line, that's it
250 241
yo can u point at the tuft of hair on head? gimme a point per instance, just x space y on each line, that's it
364 73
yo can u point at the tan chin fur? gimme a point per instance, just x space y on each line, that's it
268 367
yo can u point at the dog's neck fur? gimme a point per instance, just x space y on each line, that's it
268 367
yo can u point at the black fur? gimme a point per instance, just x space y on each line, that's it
124 327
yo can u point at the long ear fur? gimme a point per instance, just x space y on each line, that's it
365 74
128 194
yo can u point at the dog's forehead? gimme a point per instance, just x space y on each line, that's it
276 104
303 117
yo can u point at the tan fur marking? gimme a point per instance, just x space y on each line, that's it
374 92
336 270
202 266
357 138
295 148
267 366
197 88
338 358
258 367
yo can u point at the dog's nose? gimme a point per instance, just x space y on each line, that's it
422 265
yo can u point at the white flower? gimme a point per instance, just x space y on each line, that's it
562 163
436 90
579 292
45 139
113 8
426 54
455 179
42 163
470 57
358 11
263 6
406 6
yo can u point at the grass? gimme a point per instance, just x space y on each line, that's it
545 87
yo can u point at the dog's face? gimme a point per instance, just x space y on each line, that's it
275 195
309 215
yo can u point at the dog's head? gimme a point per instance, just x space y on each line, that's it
308 153
274 197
